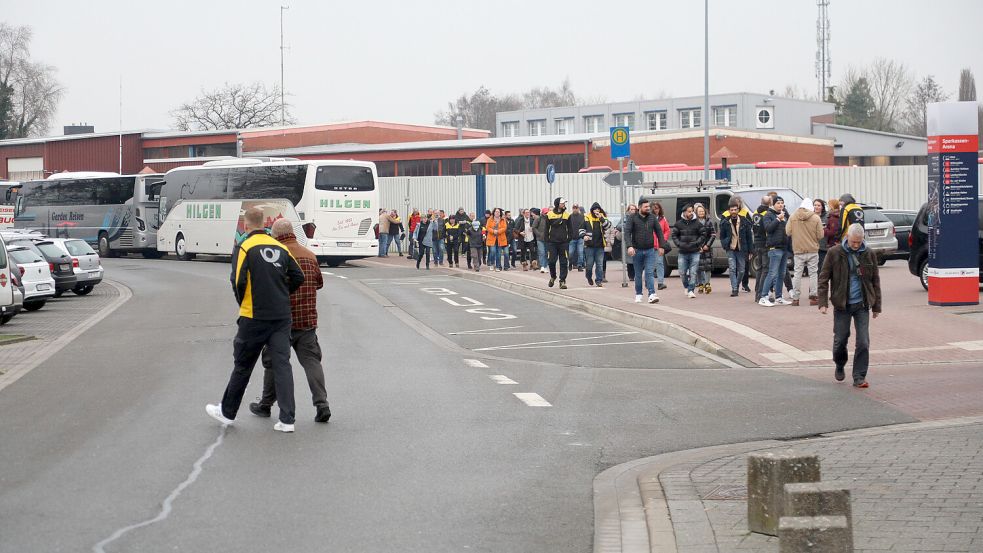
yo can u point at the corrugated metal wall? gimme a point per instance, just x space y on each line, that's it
891 187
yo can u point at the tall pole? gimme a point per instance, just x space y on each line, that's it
706 89
120 170
624 224
283 107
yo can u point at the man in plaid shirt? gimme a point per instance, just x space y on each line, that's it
303 332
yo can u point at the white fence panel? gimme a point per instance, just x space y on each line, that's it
448 193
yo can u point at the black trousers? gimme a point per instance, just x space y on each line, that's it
467 250
252 337
453 253
424 253
558 251
527 251
308 351
761 277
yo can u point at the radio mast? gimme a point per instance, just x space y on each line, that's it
823 65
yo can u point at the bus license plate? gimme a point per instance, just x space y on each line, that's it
344 244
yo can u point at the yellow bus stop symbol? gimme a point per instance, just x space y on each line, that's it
620 137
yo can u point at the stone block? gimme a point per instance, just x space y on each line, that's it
767 474
817 499
814 535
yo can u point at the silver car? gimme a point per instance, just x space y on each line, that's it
35 277
85 262
879 233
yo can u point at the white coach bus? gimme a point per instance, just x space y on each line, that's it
341 198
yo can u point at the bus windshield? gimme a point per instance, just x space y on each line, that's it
344 178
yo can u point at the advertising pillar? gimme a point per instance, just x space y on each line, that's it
953 204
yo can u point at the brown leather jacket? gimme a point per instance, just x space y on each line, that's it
834 279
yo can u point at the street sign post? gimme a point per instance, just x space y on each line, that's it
621 150
550 179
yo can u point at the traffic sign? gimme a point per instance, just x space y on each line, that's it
632 178
620 146
550 173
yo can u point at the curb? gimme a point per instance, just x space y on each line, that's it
16 340
651 324
618 507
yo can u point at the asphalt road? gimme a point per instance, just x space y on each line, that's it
429 448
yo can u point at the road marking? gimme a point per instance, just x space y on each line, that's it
166 507
595 336
501 379
568 345
532 400
598 333
473 302
327 273
479 331
475 363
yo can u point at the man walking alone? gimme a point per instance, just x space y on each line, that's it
558 235
264 274
806 230
850 281
303 329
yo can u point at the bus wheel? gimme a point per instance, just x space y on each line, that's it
104 250
181 249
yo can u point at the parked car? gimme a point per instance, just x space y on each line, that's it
879 233
8 290
903 220
59 262
18 305
918 245
35 277
85 262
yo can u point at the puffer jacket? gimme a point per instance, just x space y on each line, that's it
689 235
775 230
758 227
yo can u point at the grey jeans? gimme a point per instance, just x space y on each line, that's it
304 343
860 316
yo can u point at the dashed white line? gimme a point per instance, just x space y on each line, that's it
475 363
532 400
501 379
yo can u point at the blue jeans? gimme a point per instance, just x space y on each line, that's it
541 252
660 267
860 315
577 253
383 244
394 240
644 262
595 258
495 256
736 265
438 251
777 263
689 264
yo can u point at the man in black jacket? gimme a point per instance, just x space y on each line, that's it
264 274
760 247
558 234
577 242
641 230
736 239
777 243
689 234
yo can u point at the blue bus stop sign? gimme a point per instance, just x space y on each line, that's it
550 174
620 146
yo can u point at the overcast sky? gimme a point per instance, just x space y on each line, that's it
403 60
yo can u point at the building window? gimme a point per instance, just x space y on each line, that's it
593 123
564 125
625 120
725 116
563 163
689 118
657 120
537 127
510 128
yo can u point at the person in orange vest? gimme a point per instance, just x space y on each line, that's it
496 239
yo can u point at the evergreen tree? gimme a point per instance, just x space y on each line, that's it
857 106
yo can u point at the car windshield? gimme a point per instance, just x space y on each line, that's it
78 247
752 198
51 250
26 256
875 216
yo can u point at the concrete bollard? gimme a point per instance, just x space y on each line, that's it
817 499
767 474
814 535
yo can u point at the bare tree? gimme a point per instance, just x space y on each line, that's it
925 92
29 92
967 86
232 106
890 84
478 110
546 97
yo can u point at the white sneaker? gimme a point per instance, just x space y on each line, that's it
653 298
542 269
638 298
690 295
783 301
215 411
281 427
765 302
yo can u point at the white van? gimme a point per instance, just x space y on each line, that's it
214 227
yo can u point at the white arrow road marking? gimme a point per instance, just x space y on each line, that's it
501 379
475 363
532 400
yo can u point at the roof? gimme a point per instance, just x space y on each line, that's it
871 131
290 129
470 143
23 141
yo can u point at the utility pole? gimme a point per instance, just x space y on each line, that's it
824 70
283 106
706 90
120 171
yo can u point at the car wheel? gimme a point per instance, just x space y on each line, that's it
923 274
58 293
104 250
881 259
33 306
718 272
181 249
82 290
6 318
334 262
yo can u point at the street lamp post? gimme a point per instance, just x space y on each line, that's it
706 89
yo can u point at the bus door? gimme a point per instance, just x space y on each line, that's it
147 206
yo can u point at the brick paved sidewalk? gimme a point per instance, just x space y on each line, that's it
914 488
